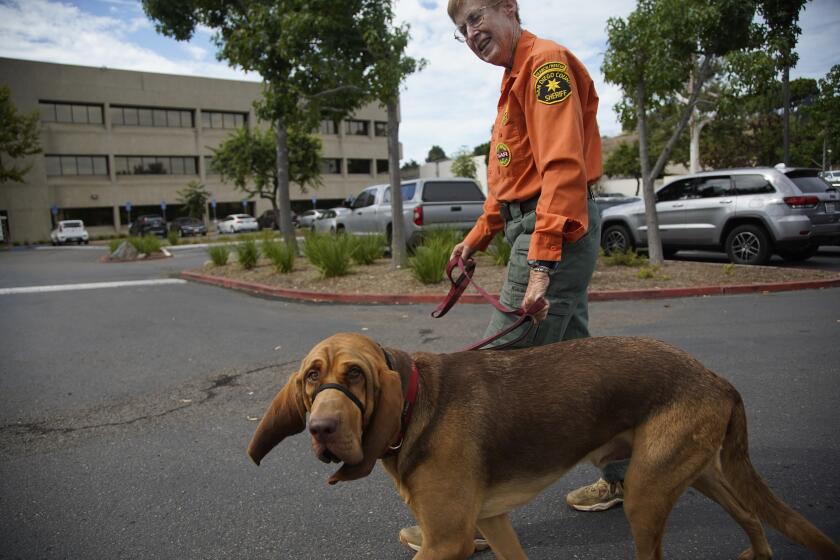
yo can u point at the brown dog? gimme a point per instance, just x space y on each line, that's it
492 429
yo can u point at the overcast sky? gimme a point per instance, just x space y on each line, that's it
451 103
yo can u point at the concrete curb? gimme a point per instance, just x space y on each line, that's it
655 293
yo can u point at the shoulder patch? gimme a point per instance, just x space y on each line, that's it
552 83
503 154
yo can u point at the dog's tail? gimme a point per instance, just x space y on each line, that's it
754 493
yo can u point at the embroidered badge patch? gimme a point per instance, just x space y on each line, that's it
553 84
503 154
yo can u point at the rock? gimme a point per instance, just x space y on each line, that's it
125 252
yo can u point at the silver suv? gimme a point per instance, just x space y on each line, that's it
750 213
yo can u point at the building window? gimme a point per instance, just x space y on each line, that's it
156 165
331 166
380 128
356 128
381 166
147 116
76 113
76 165
328 126
222 119
208 166
97 216
358 166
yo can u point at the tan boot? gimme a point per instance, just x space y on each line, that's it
412 537
599 496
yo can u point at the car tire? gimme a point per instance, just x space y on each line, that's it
617 238
798 254
669 252
748 244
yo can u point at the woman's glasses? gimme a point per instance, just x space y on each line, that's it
473 21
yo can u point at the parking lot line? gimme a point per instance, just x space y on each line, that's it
88 286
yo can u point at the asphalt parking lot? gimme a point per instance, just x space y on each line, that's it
125 412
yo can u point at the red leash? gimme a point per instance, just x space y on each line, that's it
465 278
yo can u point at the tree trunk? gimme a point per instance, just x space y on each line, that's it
398 251
652 220
786 115
694 144
284 202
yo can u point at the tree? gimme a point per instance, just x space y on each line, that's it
411 164
18 139
781 17
652 55
436 154
194 197
391 66
624 162
313 56
483 150
464 165
248 160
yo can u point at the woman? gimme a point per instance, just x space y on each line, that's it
545 153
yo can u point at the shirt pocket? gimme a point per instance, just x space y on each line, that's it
511 153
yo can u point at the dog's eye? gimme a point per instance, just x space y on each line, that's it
354 373
312 375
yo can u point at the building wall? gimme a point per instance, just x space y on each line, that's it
28 206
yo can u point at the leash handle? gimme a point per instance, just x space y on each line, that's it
459 284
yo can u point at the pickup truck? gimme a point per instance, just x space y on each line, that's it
427 203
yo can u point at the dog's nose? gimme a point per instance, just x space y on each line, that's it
323 426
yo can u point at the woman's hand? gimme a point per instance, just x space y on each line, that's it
537 286
463 250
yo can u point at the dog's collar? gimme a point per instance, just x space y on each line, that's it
410 387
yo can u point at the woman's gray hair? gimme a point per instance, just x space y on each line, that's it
455 6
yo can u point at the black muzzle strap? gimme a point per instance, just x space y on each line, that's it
344 390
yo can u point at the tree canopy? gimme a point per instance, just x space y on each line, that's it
18 139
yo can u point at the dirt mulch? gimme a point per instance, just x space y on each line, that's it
380 278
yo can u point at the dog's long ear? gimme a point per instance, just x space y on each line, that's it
381 430
285 417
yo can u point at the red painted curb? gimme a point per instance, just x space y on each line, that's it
654 293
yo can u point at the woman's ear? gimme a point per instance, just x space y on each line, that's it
285 417
380 432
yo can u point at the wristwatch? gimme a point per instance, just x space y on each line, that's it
542 266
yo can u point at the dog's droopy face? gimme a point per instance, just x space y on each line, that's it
353 400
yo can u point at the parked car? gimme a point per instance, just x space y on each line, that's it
608 200
148 224
69 231
427 203
749 213
267 221
237 223
832 177
328 221
188 226
306 219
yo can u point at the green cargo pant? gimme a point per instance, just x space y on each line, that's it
568 312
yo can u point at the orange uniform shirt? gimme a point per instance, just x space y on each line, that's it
545 143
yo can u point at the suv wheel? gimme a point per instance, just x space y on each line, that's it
616 239
748 244
801 253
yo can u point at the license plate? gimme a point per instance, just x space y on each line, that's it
830 207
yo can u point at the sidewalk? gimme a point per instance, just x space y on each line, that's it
654 293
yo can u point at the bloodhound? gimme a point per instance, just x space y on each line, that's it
492 429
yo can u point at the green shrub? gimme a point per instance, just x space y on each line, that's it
281 255
219 254
367 248
628 258
330 254
147 244
247 254
500 250
652 273
729 269
429 263
443 238
114 244
172 237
